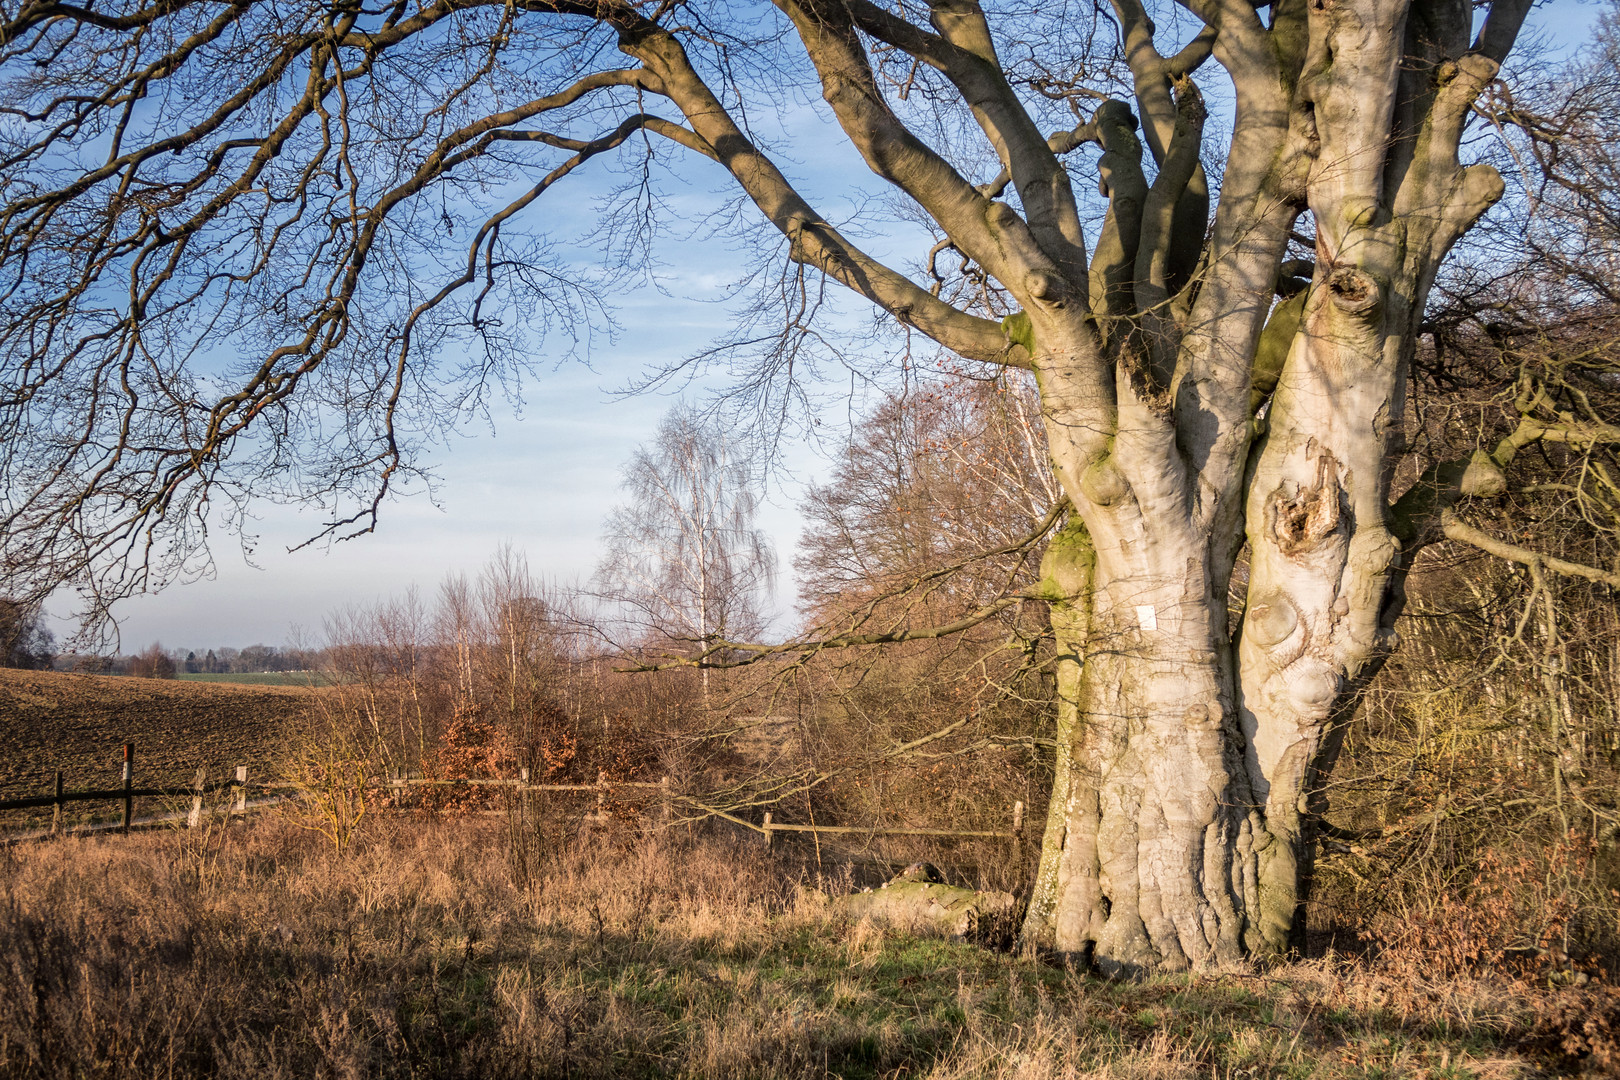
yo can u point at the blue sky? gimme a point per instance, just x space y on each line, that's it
543 480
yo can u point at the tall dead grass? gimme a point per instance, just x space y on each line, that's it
262 951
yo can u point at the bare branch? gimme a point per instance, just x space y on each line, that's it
1457 529
965 53
813 241
715 656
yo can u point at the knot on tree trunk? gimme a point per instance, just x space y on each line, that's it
1048 287
1355 292
1311 686
1103 483
1301 516
1273 623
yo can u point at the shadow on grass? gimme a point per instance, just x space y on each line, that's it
256 952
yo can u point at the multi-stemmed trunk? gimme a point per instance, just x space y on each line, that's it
1179 827
1190 759
1189 416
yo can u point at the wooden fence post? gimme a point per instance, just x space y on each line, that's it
524 796
601 794
194 818
129 782
241 789
767 828
663 792
56 807
1018 858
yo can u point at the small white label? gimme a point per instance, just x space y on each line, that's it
1146 617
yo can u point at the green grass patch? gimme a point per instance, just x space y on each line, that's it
261 678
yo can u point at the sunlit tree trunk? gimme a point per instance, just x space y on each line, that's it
1138 862
1190 764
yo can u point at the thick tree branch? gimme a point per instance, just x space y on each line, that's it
1177 170
1113 266
1164 120
990 233
1192 55
1424 510
965 53
1501 28
812 239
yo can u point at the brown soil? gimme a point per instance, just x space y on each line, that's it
53 720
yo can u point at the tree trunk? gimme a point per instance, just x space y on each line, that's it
1143 861
1324 567
1178 833
1189 764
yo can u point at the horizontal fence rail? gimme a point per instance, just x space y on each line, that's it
200 788
128 793
523 785
112 794
767 827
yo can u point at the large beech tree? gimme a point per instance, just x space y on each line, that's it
221 255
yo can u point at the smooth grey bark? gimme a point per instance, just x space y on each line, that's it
1190 766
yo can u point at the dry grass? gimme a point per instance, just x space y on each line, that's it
259 952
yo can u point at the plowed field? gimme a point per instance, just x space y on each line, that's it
79 723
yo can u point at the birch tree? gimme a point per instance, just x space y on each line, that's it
683 553
347 200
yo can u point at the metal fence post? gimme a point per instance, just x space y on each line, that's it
56 807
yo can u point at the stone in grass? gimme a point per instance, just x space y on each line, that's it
916 898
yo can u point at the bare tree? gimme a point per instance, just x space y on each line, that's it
932 475
683 555
25 640
238 242
152 662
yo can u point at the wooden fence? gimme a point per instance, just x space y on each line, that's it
200 788
128 793
766 828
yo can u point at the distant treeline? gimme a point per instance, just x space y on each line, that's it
26 642
226 660
157 662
